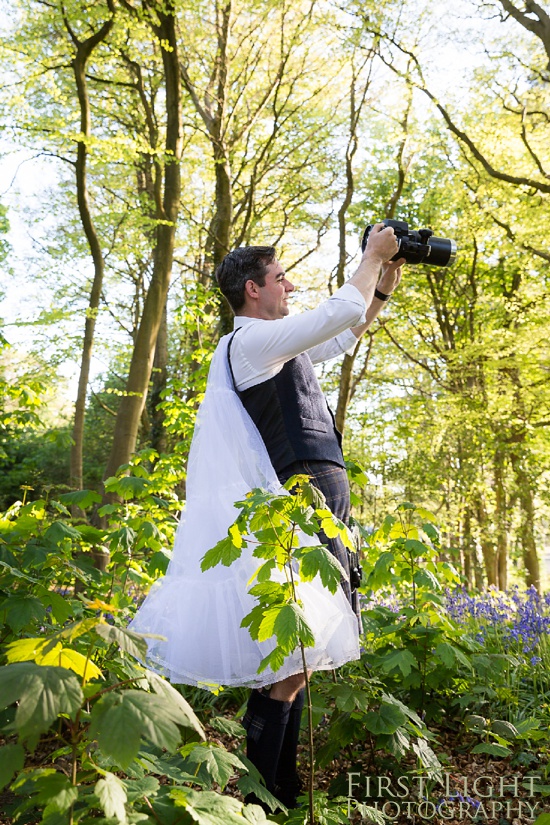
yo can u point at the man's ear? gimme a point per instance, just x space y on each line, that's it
251 289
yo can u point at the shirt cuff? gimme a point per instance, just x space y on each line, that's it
347 341
351 294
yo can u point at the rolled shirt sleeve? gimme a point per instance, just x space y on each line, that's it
263 347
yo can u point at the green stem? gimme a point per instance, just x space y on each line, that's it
310 737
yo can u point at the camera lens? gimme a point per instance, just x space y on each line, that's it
442 252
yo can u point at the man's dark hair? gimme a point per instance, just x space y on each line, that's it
241 265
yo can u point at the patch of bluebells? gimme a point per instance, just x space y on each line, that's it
521 617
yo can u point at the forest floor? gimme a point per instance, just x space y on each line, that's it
485 790
476 788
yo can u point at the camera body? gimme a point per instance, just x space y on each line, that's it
418 246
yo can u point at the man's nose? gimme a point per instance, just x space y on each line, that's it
289 286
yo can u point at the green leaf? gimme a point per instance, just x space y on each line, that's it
22 611
425 578
219 763
492 749
55 792
416 548
431 531
402 659
128 486
209 808
42 693
227 726
112 796
504 729
180 707
82 498
475 722
120 719
543 819
319 560
127 640
274 660
59 532
138 788
289 626
12 759
247 784
428 759
446 653
62 609
387 719
224 552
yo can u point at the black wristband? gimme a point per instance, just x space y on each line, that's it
381 296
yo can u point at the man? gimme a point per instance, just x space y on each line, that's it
263 418
271 360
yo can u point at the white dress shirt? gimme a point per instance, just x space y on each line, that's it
263 347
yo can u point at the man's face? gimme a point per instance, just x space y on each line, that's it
272 298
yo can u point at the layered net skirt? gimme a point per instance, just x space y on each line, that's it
198 615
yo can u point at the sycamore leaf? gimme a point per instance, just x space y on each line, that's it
127 640
182 710
246 784
59 531
291 628
46 652
274 660
387 719
42 693
492 749
227 726
128 486
267 624
55 792
12 759
253 621
319 560
22 610
208 807
428 759
112 795
219 763
402 659
120 719
82 498
72 660
224 552
235 536
62 609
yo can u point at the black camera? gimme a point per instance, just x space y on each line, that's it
418 246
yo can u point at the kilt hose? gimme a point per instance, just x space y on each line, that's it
273 727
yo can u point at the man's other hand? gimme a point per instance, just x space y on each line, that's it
381 244
391 276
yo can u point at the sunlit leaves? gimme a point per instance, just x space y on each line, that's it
42 693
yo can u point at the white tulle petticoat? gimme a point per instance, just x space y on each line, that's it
200 614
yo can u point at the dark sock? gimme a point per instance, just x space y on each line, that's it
265 722
287 781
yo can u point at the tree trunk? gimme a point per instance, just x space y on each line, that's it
83 51
132 403
527 522
487 545
501 517
158 433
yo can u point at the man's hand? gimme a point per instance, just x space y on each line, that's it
391 276
381 244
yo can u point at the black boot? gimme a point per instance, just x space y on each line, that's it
265 722
288 785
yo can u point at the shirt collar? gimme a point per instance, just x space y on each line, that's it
241 320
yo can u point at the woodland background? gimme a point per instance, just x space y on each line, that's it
159 135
